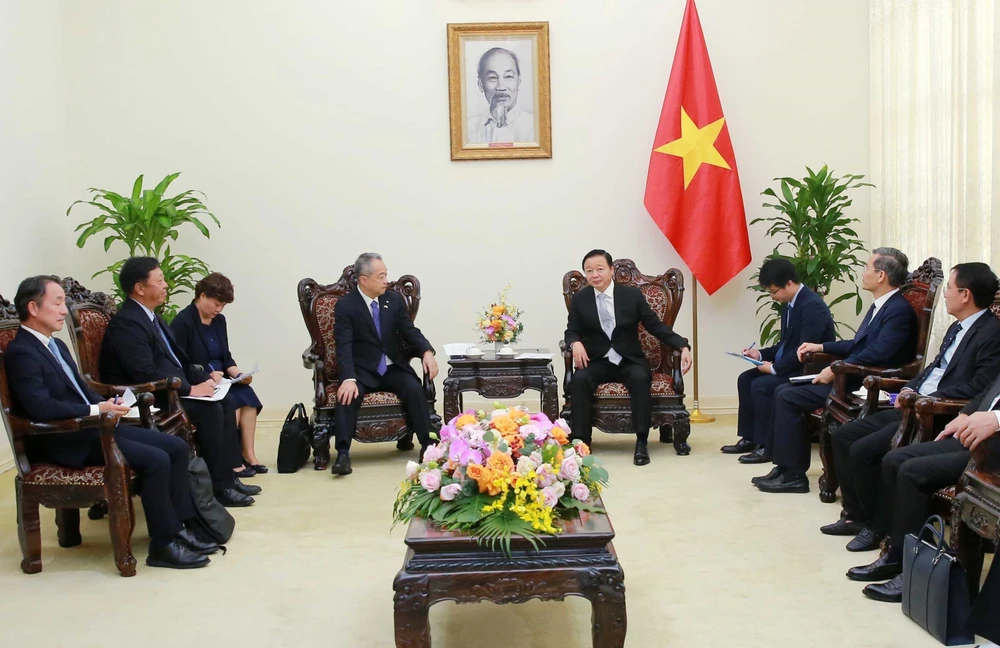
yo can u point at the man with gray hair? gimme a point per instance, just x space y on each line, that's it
887 337
369 326
504 120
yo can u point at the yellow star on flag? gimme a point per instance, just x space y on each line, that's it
696 146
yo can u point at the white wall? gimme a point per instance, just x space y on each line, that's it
320 130
32 147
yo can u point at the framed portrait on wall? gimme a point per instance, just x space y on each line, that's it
498 90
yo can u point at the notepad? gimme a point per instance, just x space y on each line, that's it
240 377
220 392
802 379
756 363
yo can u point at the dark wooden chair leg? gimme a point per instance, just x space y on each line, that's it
666 434
68 525
121 521
321 444
828 483
97 511
29 531
682 430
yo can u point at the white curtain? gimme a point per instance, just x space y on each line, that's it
933 115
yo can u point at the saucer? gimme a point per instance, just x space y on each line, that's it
473 356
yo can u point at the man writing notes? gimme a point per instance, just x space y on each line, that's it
603 331
139 348
45 385
886 337
805 317
966 364
369 326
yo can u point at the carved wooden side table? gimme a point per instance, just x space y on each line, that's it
445 565
495 377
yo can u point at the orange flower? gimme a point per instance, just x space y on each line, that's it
560 435
582 449
482 475
498 310
500 462
497 324
505 424
463 420
514 441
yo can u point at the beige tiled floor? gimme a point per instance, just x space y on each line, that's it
709 561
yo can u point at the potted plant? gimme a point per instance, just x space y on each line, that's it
147 222
816 237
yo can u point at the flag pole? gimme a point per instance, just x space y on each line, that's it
696 415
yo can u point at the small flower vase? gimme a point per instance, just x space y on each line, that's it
497 346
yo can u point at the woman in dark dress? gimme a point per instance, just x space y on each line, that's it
201 331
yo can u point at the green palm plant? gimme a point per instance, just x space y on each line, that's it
816 237
146 222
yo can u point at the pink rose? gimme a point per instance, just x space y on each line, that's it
539 417
447 433
433 453
561 423
549 496
569 469
451 491
580 492
431 480
412 468
545 475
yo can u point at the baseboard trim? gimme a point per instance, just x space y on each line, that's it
6 465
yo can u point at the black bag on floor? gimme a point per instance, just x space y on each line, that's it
295 441
212 521
935 590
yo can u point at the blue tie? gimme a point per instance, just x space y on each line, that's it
166 342
378 329
865 322
69 372
785 317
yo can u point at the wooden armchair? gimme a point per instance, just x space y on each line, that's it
90 313
920 289
64 489
612 408
381 417
975 513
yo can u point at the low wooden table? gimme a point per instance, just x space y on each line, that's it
498 377
450 566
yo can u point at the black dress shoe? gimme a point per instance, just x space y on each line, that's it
740 447
247 489
784 484
880 570
245 473
641 457
864 541
777 470
758 456
405 444
890 592
342 466
175 556
842 527
232 498
195 544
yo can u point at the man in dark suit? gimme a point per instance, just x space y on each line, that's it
967 363
910 477
369 326
887 337
805 317
603 331
139 347
46 385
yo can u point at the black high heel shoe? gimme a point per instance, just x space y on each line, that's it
257 468
247 472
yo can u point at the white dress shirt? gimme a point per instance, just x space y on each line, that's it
609 297
930 385
520 127
880 302
148 312
44 339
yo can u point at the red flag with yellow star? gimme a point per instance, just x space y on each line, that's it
692 187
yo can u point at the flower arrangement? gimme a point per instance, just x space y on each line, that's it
501 321
509 472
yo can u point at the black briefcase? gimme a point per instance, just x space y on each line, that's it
935 589
295 441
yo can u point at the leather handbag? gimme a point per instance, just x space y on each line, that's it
935 589
211 521
295 441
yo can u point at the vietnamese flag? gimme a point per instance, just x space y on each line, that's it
692 187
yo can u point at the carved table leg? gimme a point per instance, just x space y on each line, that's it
828 483
550 397
452 406
28 531
68 524
606 590
411 604
321 444
682 430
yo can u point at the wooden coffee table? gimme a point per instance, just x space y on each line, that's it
496 376
450 566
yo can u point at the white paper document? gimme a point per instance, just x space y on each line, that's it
229 381
128 398
220 392
862 392
802 379
458 349
535 356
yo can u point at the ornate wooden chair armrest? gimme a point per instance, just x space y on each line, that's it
874 384
24 427
567 354
310 359
927 408
815 362
849 368
908 426
674 367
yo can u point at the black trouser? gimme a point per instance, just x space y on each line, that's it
858 449
218 438
634 376
910 477
160 461
791 447
402 382
756 392
985 620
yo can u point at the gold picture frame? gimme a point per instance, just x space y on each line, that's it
498 90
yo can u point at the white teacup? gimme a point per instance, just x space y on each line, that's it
473 352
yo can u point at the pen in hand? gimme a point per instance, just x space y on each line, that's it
750 348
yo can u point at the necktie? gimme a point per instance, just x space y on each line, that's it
69 372
166 342
608 325
785 317
940 361
378 329
865 322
